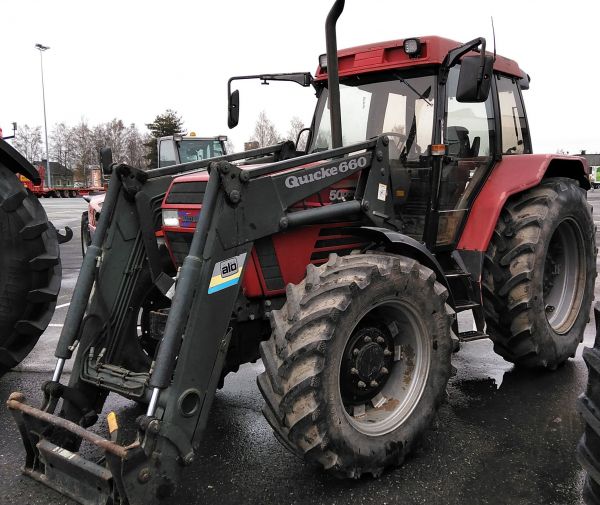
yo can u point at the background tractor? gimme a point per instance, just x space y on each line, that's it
172 150
342 266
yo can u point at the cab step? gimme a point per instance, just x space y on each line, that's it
469 336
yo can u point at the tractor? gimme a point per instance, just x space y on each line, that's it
342 266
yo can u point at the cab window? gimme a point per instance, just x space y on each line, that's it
167 153
515 138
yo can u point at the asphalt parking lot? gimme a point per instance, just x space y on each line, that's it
503 436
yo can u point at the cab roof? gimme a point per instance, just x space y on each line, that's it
390 54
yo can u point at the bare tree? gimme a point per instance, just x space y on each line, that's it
28 141
135 151
61 145
84 152
296 126
265 132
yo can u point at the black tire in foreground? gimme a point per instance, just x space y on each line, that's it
588 450
358 361
539 274
30 270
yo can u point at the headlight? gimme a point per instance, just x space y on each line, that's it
170 217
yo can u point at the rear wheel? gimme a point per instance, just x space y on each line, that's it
539 274
30 270
358 362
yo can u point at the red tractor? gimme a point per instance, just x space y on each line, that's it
342 266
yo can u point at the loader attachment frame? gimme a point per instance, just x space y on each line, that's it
240 206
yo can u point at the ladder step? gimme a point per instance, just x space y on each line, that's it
461 305
469 336
456 274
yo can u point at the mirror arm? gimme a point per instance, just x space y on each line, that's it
455 54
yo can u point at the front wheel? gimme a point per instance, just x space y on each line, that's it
86 238
358 362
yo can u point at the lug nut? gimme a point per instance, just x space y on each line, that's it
374 384
354 371
361 385
144 475
367 339
380 340
384 371
355 352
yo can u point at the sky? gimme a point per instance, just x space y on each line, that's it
132 59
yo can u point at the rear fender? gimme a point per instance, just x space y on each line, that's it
512 175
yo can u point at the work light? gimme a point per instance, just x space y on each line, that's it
323 61
412 47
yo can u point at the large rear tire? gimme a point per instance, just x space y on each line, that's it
30 270
588 450
358 362
539 274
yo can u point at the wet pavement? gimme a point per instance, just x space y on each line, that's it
503 436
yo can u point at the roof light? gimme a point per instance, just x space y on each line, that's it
412 47
192 134
323 61
222 138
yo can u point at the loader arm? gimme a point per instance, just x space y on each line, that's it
241 205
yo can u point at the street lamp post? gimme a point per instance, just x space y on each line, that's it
41 48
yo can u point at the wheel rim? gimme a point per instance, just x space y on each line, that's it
384 368
564 276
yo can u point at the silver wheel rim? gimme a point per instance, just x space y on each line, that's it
564 276
389 405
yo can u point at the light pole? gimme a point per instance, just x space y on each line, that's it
41 48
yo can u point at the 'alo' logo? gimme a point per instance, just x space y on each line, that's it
229 267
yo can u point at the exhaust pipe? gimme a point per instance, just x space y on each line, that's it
333 78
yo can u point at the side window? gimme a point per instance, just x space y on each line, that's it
167 154
515 139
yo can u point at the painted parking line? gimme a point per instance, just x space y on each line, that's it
63 305
55 325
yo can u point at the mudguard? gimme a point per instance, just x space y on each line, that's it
16 163
515 174
398 243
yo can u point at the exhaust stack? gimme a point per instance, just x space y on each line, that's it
333 78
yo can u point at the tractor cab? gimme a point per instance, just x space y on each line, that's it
445 134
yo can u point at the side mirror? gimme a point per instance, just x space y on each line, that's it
106 160
474 81
234 109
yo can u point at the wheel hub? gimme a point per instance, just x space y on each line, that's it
368 359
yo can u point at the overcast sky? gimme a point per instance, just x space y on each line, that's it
132 60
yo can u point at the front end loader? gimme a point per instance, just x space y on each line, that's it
341 266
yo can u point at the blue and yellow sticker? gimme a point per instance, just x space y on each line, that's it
226 273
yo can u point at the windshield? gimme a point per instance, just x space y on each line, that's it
199 149
400 105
